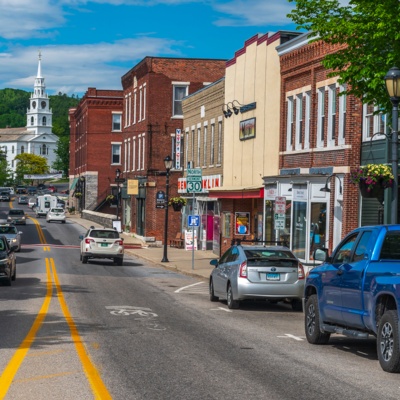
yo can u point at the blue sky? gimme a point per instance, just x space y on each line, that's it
92 43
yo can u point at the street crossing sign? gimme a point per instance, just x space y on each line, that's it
193 220
194 180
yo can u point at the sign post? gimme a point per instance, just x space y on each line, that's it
280 212
194 180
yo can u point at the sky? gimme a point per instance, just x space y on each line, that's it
93 43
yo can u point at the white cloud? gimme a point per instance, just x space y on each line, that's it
254 13
72 69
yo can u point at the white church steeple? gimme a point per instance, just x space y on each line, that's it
39 115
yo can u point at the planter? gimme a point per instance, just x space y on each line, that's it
377 191
177 207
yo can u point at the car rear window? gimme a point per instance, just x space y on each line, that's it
266 254
16 212
57 210
105 234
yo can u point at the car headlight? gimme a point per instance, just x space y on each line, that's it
14 240
23 217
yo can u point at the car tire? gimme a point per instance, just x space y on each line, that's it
63 222
297 305
387 342
118 261
84 260
232 304
7 281
14 277
211 290
311 322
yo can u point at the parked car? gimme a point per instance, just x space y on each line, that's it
52 188
257 271
12 234
102 243
8 267
21 189
16 216
56 214
5 195
23 200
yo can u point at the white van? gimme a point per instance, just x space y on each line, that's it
44 203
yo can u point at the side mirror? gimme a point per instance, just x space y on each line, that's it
320 254
214 262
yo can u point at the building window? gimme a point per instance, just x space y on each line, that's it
186 147
299 122
226 224
140 103
342 116
115 153
12 150
44 121
321 117
198 145
307 118
219 154
212 149
43 149
374 122
134 106
144 102
143 150
32 120
126 110
332 115
192 158
205 133
139 152
22 149
289 125
126 155
179 92
116 122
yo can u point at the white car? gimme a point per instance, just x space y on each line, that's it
56 214
32 202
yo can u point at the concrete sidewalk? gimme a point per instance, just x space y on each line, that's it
178 259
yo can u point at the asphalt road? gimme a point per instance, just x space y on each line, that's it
81 331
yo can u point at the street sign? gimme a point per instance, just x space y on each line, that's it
193 220
280 212
194 180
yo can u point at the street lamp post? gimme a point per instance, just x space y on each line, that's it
168 166
82 199
392 80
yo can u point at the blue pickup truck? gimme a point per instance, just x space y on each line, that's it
356 292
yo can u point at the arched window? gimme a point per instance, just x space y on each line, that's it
22 149
44 121
32 120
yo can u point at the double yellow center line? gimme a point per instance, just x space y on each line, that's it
98 387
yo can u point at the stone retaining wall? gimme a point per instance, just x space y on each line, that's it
105 220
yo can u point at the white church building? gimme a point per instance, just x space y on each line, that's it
37 137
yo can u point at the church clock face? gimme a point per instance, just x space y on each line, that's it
34 104
43 104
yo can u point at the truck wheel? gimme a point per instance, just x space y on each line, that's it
387 342
311 322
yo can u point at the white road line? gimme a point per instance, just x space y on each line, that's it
186 287
220 308
288 335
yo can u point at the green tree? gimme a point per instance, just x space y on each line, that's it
62 153
29 164
367 34
5 171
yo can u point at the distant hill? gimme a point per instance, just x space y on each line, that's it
14 104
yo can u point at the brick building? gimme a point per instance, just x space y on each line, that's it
152 113
95 148
320 141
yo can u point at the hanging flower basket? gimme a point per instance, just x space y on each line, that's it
177 203
78 194
177 207
367 192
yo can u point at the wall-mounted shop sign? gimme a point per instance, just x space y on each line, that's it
247 129
242 223
160 199
133 186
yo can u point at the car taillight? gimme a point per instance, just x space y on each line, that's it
300 272
119 242
88 241
243 270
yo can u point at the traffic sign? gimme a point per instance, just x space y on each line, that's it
194 180
193 220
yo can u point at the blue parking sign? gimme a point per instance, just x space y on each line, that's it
193 220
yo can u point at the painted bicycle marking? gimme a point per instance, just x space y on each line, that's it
130 310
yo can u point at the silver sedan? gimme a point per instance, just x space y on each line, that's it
12 235
257 272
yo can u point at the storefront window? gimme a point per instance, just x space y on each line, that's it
317 227
226 225
299 229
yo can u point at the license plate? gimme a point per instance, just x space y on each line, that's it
104 244
272 277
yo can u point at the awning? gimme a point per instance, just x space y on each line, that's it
236 193
73 184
